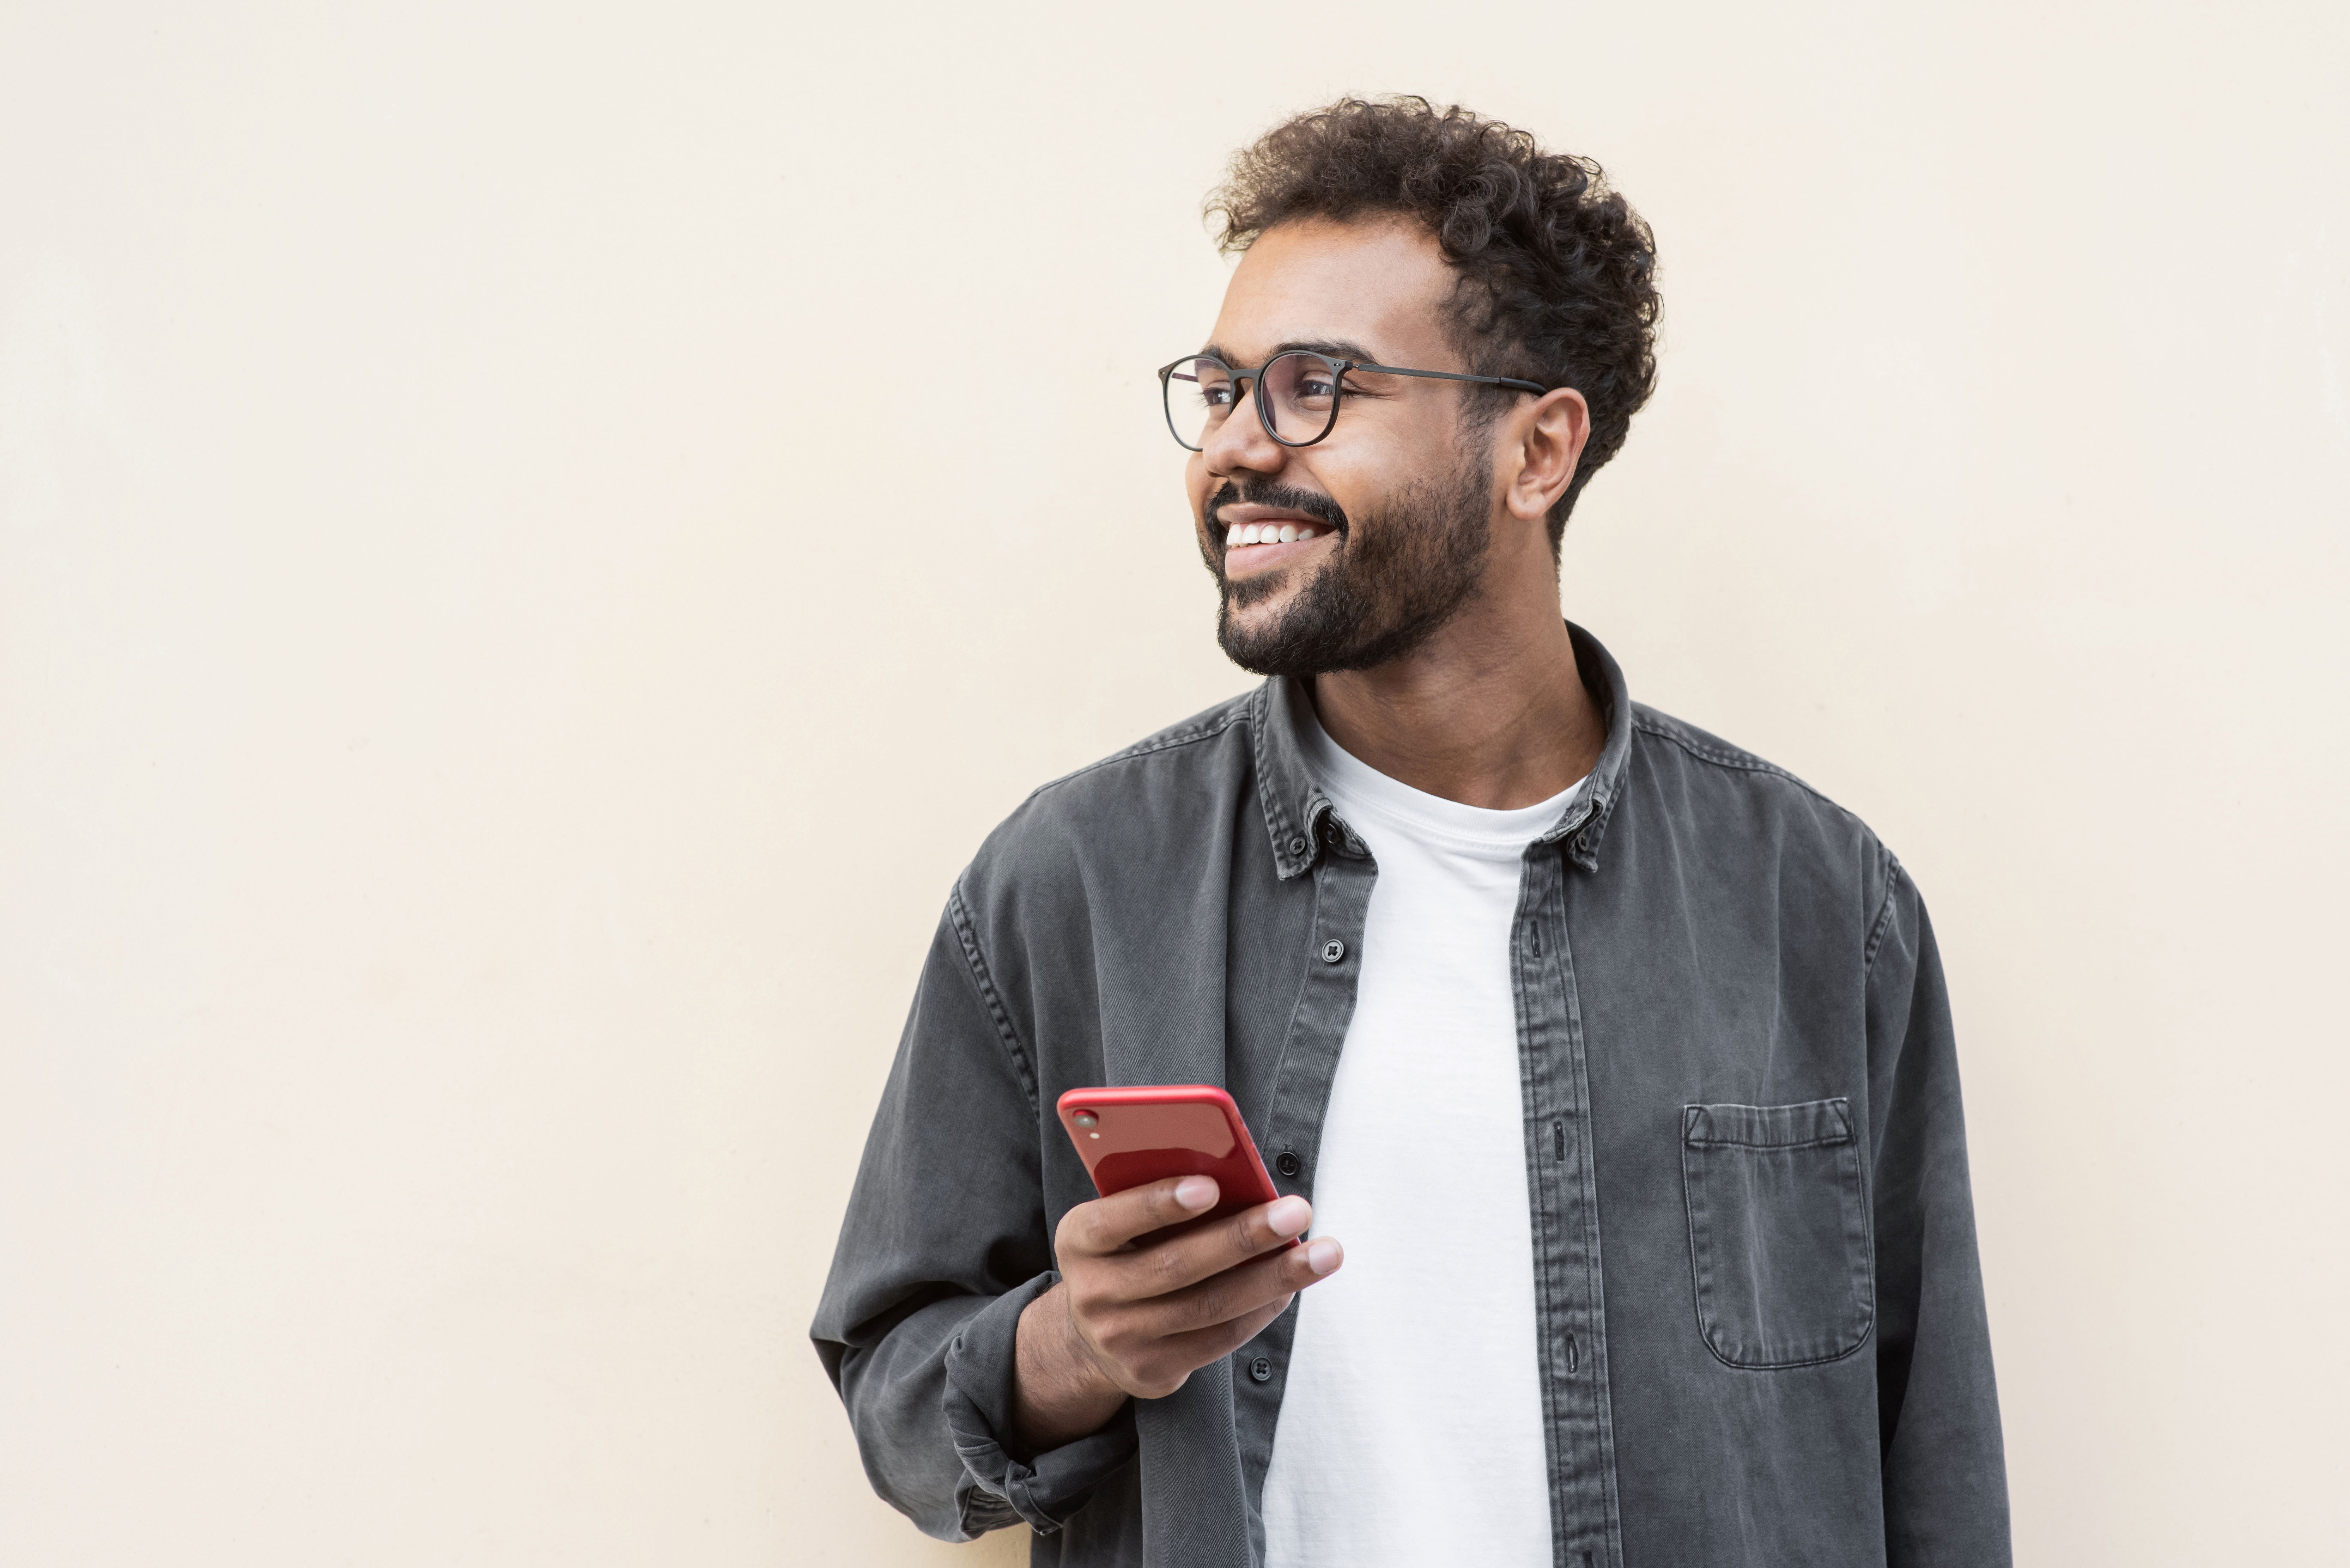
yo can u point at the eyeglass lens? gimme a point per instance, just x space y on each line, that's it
1300 401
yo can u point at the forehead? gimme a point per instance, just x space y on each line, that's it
1378 284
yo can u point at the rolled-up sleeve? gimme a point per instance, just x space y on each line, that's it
1945 1473
943 1244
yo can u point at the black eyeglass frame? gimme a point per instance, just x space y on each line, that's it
1255 380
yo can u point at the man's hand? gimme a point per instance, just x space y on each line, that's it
1128 1320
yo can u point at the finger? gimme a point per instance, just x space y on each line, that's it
1237 1292
1101 1226
1203 1252
1150 1347
1197 1347
1167 1363
1202 1345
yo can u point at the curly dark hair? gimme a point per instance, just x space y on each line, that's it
1558 273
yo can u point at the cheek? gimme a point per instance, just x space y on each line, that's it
1385 463
1355 480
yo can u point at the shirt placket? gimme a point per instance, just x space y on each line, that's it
1343 878
1561 1187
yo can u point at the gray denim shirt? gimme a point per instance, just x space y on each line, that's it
1761 1319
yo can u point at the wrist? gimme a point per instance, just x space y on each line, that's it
1087 1376
1061 1391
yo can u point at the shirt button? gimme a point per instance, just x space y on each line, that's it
1297 846
1333 950
1260 1369
1288 1163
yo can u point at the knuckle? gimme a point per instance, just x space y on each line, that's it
1168 1370
1166 1269
1207 1308
1087 1306
1117 1346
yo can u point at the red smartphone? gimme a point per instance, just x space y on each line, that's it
1129 1137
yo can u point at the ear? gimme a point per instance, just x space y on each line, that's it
1547 437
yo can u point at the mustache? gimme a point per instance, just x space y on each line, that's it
1309 502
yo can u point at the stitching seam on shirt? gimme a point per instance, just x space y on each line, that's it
1276 810
1884 915
1697 1291
1741 761
1753 765
1296 1011
977 963
1147 748
1866 1334
983 1510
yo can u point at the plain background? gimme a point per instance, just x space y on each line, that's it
535 541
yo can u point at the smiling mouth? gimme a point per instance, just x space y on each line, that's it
1269 533
1249 545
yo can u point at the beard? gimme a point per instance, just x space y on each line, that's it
1390 584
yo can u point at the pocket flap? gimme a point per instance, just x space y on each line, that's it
1805 1126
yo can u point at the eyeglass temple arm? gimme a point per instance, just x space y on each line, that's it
1446 376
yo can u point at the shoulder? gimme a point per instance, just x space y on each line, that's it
1133 808
1210 741
1703 782
1662 740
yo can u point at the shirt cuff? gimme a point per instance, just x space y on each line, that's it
999 1489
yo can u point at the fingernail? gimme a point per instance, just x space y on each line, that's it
1289 1216
1323 1256
1195 1192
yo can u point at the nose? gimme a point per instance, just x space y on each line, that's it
1241 442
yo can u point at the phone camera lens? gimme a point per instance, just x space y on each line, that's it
1086 1119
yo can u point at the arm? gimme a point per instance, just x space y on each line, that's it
943 1245
1944 1467
983 1388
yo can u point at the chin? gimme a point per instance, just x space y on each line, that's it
1262 594
1252 617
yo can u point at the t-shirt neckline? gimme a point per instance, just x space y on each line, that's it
1358 788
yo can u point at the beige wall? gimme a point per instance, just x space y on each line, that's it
534 543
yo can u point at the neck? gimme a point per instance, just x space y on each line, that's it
1490 711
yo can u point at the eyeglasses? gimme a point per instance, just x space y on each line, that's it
1297 393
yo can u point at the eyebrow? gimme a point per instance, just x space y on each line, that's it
1329 347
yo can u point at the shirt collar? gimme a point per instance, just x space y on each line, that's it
1296 811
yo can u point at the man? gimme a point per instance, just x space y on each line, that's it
1605 1069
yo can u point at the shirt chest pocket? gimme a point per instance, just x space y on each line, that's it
1779 1235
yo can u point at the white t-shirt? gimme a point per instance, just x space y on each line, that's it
1411 1426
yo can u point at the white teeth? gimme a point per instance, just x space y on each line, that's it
1241 534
